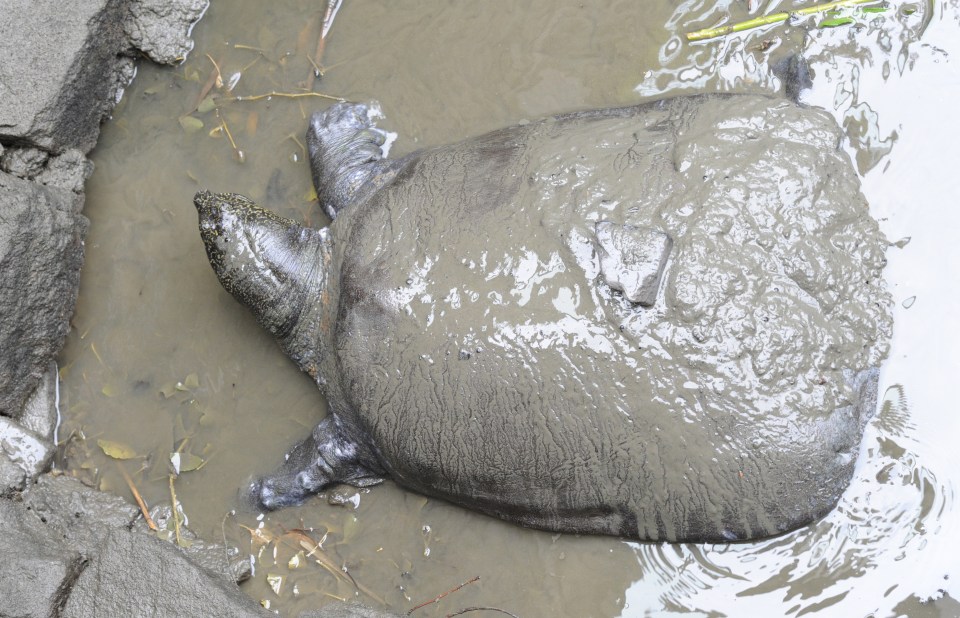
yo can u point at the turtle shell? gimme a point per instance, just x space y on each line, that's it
488 353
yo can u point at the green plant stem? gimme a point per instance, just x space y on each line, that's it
710 33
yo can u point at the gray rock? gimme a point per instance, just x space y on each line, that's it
40 412
12 477
77 515
36 571
41 252
68 170
161 28
68 550
213 557
133 574
63 70
23 162
26 449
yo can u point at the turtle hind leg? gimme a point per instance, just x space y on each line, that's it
325 458
345 156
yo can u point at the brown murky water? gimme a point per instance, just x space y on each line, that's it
162 359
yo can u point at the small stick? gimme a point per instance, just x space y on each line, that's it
317 59
176 516
207 87
288 95
137 497
438 597
481 609
219 80
710 33
226 129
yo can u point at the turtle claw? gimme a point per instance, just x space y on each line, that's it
345 154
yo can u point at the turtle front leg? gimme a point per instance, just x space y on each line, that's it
345 156
325 458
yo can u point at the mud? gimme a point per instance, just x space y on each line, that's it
147 323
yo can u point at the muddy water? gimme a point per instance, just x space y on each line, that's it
161 359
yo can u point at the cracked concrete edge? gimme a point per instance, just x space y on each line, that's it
83 59
74 60
70 550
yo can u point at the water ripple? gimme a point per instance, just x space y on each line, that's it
855 558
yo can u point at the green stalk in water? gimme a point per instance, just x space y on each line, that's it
710 33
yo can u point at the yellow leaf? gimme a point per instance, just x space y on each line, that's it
116 450
206 105
190 124
185 462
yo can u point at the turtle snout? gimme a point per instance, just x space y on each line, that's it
277 492
208 212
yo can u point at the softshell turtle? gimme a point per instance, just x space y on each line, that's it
660 322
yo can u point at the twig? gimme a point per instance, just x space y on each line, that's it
226 129
710 33
481 609
288 95
317 59
316 552
440 596
176 515
208 86
136 496
219 80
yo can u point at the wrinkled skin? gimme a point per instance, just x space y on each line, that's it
660 322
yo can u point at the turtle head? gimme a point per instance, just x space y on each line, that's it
272 265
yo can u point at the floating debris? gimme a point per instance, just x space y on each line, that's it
774 18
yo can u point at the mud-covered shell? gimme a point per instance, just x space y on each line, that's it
481 353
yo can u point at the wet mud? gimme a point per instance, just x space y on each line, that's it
162 361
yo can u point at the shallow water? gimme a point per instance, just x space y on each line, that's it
162 359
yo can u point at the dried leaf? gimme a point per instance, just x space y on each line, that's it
191 124
295 561
207 105
168 389
109 390
116 450
275 581
185 462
